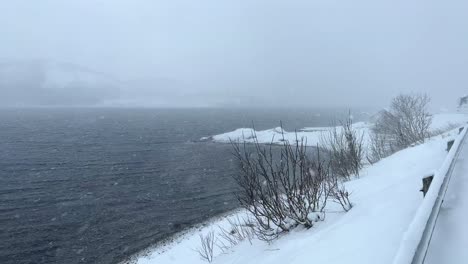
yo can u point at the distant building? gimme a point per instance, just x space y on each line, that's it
463 103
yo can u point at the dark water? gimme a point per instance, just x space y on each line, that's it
97 185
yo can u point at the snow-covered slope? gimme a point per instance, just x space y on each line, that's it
385 200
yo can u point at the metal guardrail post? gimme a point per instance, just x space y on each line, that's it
450 144
426 184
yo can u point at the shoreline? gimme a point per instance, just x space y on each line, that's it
189 237
173 240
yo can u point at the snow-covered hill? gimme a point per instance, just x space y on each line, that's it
52 83
41 82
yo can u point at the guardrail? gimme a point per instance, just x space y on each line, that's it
415 243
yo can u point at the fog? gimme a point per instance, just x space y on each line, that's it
231 53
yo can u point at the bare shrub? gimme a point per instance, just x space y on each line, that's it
379 147
339 194
406 123
239 230
345 146
446 128
206 249
281 191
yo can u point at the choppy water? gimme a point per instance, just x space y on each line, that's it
97 185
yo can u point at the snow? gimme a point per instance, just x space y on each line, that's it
313 135
386 198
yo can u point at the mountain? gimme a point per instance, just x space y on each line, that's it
50 83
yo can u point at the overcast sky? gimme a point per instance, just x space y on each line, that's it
303 53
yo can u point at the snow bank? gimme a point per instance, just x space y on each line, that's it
312 135
385 199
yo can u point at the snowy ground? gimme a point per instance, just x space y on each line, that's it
385 199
